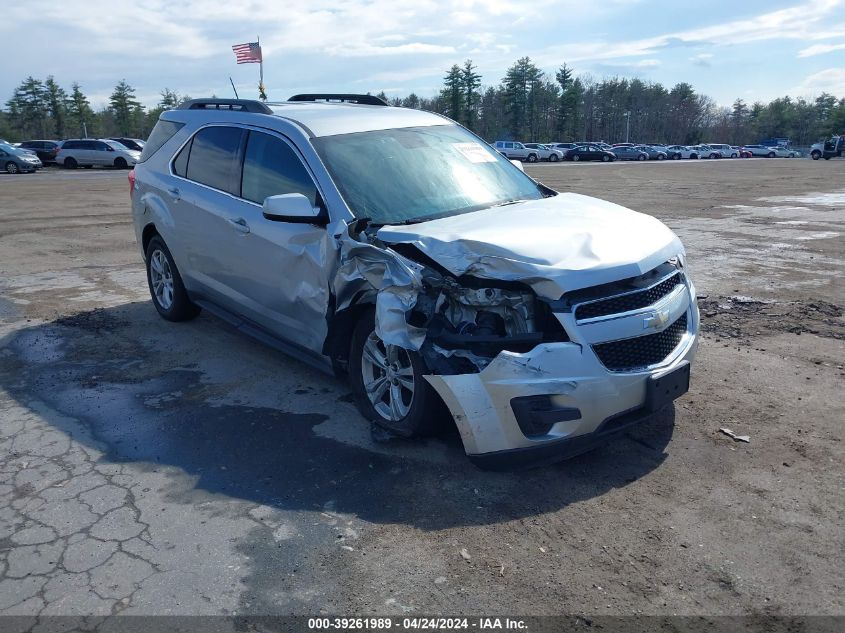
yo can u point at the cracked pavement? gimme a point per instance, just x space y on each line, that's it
183 469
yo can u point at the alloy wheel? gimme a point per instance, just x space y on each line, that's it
388 378
162 279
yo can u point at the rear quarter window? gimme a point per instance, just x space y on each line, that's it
162 132
214 159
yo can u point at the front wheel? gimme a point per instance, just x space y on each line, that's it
166 288
120 163
815 155
771 154
70 163
605 159
660 157
576 158
641 157
388 385
676 157
553 158
12 167
532 158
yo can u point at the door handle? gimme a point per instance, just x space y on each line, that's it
239 225
174 193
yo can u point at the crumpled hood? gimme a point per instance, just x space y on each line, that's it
555 244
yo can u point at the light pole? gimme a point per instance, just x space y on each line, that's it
627 126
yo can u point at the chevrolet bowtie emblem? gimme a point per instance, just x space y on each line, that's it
656 320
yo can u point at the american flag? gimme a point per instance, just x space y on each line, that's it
249 53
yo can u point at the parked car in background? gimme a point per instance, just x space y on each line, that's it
590 152
744 152
705 151
726 151
546 153
131 143
761 150
627 152
782 152
563 146
14 160
676 152
653 152
517 151
89 152
45 150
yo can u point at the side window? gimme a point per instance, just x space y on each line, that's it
100 146
271 168
70 145
89 145
180 163
214 158
509 145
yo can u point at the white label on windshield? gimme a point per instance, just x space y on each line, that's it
474 152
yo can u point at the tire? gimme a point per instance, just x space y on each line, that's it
576 158
641 157
405 411
815 155
12 167
120 163
162 274
733 156
771 155
532 158
70 163
676 157
693 156
605 158
553 158
714 156
660 157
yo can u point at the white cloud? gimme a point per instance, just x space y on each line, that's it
702 59
831 81
820 49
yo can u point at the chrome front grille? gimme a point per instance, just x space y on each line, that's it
642 351
633 300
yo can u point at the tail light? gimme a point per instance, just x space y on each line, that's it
131 178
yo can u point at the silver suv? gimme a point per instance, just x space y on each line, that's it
87 152
517 151
398 248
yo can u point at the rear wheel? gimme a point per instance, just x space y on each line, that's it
605 158
816 154
12 167
676 157
532 158
388 385
641 157
120 163
714 156
576 157
70 163
771 154
553 158
660 156
166 287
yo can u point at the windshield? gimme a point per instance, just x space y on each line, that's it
420 173
11 149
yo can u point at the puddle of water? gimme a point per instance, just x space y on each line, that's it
832 199
819 236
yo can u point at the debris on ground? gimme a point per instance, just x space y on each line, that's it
465 554
737 438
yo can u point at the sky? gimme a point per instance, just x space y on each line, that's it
751 49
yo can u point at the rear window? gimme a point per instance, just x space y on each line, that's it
162 132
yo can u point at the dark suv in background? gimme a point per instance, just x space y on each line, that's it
46 150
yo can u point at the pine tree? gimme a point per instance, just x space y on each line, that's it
56 99
28 108
80 114
470 83
124 107
520 83
452 93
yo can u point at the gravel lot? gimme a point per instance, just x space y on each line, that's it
156 468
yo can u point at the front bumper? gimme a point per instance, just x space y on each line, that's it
572 379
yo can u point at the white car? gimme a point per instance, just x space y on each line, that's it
517 151
546 153
783 152
400 249
87 152
677 152
725 151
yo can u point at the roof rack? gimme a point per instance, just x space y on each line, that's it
343 98
239 105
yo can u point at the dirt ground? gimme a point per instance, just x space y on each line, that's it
150 467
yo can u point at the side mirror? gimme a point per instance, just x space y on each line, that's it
290 207
519 165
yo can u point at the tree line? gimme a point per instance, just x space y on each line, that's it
527 105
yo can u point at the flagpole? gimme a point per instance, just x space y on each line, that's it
261 92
